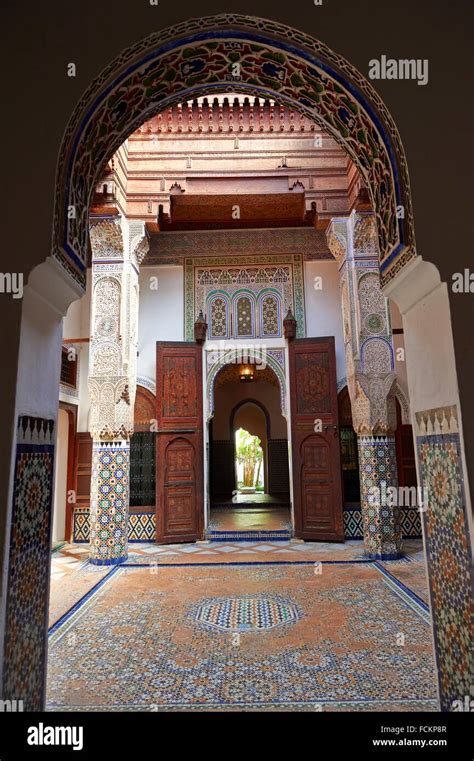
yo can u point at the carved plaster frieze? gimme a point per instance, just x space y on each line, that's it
111 411
368 345
139 241
139 247
373 409
106 238
404 402
336 236
365 234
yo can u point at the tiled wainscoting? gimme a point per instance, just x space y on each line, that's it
410 518
141 527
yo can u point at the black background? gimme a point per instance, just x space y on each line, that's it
435 122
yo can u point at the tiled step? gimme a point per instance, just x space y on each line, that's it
251 506
215 535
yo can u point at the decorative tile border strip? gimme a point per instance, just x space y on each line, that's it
244 536
411 599
81 525
388 706
63 624
29 562
449 555
142 527
241 563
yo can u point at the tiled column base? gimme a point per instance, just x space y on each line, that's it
109 502
381 521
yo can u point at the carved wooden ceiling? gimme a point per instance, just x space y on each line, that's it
236 211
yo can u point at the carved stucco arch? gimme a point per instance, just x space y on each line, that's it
400 395
195 58
403 400
234 356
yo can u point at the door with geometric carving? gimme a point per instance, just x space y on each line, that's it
179 443
317 488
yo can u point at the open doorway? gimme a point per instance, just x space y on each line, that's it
249 468
249 464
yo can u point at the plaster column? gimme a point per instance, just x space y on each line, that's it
370 378
118 247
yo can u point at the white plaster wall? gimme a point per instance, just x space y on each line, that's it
40 346
73 320
60 478
323 307
399 343
83 411
77 325
432 377
161 313
431 364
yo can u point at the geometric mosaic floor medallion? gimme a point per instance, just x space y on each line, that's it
246 613
235 629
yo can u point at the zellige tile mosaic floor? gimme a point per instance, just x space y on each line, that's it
243 628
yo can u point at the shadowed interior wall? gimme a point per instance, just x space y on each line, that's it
60 480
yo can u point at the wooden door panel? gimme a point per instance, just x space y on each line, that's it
180 511
179 389
316 455
179 462
313 383
316 458
83 469
316 483
180 498
318 513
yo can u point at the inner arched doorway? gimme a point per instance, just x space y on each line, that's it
253 418
263 506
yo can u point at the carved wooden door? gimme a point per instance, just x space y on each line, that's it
179 450
317 491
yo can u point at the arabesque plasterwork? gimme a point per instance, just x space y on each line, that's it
371 378
114 320
282 63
